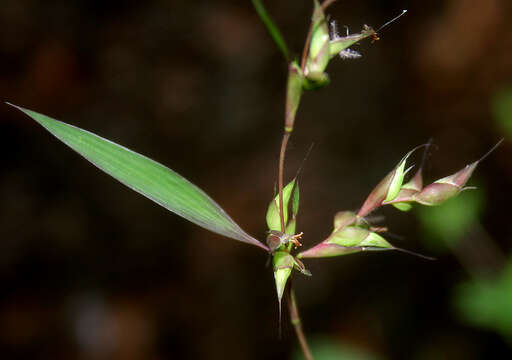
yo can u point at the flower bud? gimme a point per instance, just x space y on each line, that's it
388 189
319 51
404 198
283 264
356 236
290 192
445 188
347 240
324 249
436 193
450 186
325 44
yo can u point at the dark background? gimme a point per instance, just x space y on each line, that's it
91 270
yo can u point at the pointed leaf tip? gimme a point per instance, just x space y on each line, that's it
147 177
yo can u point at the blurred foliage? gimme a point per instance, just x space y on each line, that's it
324 348
487 303
501 107
445 225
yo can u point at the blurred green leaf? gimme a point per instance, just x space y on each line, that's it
147 177
488 303
272 28
501 107
324 348
444 225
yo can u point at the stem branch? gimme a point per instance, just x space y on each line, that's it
284 142
296 322
293 95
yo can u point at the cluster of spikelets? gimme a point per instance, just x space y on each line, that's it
352 231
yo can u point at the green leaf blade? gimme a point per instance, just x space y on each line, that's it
147 177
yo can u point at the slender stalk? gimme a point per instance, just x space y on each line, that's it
292 103
306 49
296 322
